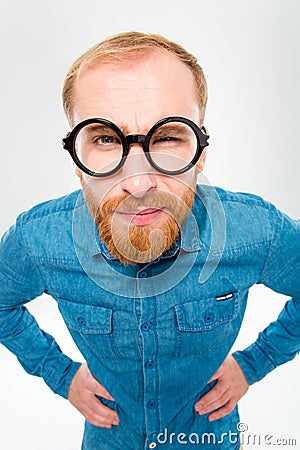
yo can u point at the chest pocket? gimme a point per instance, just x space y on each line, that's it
91 327
206 325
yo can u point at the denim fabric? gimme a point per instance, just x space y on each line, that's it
153 334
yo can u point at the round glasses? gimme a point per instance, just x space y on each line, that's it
172 146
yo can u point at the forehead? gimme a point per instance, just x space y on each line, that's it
152 85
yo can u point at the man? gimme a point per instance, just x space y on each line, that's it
151 272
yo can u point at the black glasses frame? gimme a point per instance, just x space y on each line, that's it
68 143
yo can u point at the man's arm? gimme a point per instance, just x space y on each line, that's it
21 282
37 351
280 341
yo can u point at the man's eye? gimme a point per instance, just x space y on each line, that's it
169 138
104 140
165 139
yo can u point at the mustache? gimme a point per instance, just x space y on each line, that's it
129 203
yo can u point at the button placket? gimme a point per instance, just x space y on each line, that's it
150 380
150 375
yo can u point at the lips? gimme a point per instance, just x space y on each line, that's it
142 216
146 211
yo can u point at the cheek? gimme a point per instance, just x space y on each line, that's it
179 184
103 188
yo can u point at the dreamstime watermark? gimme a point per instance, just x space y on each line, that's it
239 436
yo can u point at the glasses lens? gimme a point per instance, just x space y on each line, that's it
173 146
98 147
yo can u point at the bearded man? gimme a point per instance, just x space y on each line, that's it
150 270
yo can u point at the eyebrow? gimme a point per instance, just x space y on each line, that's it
180 128
98 127
169 128
102 127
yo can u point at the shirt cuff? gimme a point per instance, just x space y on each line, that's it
254 363
59 379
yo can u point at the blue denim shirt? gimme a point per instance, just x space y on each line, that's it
153 334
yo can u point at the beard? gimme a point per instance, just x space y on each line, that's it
132 244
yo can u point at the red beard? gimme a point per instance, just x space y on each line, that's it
132 244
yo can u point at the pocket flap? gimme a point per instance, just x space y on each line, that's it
202 315
87 319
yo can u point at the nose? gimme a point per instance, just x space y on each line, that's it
137 174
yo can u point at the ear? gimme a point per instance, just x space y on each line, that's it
201 162
77 171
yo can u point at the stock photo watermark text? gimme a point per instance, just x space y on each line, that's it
240 435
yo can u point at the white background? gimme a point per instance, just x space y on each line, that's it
249 51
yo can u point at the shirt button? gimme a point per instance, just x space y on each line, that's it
151 404
143 274
81 320
208 318
146 326
152 445
149 364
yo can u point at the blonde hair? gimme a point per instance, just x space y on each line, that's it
125 44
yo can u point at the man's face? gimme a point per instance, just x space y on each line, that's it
138 210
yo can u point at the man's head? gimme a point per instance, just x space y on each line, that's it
119 48
134 80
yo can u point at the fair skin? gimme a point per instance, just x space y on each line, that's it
135 95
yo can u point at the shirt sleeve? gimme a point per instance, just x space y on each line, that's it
280 341
20 282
